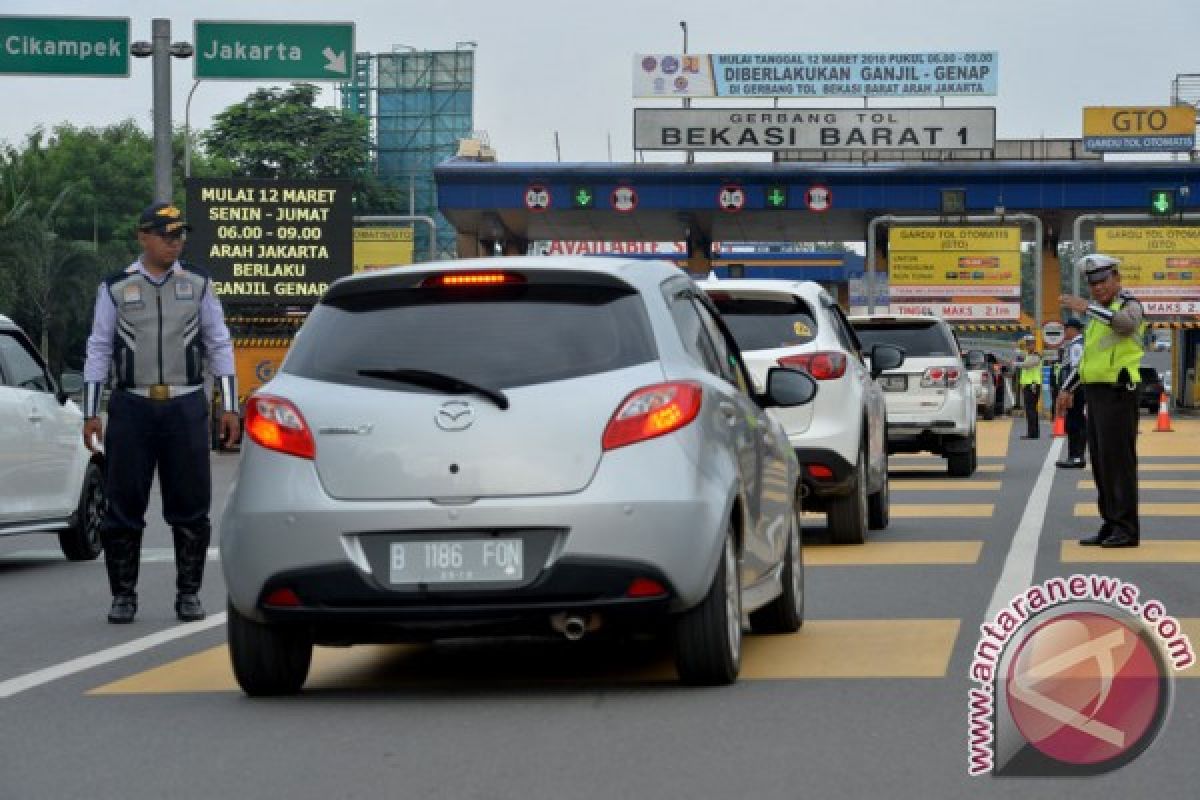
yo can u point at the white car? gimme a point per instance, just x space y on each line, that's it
49 481
840 438
983 383
930 401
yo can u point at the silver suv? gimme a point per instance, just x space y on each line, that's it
49 481
512 446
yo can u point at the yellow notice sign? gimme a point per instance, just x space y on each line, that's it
1139 121
957 270
974 239
1155 262
376 248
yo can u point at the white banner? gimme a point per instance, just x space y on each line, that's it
814 128
1167 308
902 292
960 311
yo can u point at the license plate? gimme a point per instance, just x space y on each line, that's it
449 561
894 383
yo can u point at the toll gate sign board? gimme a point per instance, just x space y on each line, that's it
1159 264
957 263
270 242
1139 129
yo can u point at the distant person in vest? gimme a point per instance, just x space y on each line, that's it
1109 372
1076 422
156 323
1029 364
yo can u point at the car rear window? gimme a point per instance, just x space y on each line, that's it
760 323
499 337
918 339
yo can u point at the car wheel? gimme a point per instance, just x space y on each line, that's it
962 465
989 412
879 506
847 515
267 660
708 638
785 614
81 541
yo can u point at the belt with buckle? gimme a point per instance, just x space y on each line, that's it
162 391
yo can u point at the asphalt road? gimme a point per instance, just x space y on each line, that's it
868 700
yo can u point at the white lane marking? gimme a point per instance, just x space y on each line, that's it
32 680
1017 574
150 555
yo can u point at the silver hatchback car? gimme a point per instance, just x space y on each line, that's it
509 447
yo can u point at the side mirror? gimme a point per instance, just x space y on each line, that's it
976 359
885 357
788 388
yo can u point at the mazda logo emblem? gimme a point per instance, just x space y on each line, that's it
456 415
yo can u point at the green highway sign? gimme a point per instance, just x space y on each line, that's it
1162 202
289 51
94 46
776 197
583 197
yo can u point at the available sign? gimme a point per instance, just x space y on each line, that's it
1160 263
95 46
815 128
860 74
270 242
1139 129
947 262
671 251
290 51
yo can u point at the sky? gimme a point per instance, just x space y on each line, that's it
566 66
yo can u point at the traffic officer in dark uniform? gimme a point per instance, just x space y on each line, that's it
156 324
1076 422
1109 372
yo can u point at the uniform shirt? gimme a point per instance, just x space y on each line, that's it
213 333
1125 321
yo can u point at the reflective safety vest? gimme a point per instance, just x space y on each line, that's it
1032 376
1106 352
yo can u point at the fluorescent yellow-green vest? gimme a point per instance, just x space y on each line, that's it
1031 376
1106 353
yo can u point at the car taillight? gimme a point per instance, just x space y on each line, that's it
937 377
823 366
820 471
276 424
653 411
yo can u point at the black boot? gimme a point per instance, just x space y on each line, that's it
122 554
191 552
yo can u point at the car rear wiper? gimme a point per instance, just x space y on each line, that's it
436 380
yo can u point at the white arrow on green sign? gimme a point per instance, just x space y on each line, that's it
95 46
290 51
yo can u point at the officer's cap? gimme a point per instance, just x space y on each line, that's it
162 218
1072 322
1097 267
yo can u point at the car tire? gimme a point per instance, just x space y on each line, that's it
81 541
962 465
267 660
785 614
879 506
989 412
708 638
847 515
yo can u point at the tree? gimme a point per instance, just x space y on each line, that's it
280 134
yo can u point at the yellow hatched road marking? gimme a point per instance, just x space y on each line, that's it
1183 441
1144 510
1142 467
1150 484
853 648
992 438
1191 627
1148 551
877 553
941 510
947 485
901 468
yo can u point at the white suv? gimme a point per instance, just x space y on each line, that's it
840 438
930 402
49 481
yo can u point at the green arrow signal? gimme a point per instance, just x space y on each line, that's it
776 197
583 198
1161 204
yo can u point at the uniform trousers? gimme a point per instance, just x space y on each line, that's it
1112 439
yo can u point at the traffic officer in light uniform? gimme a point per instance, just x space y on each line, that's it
1109 372
1030 365
156 323
1076 422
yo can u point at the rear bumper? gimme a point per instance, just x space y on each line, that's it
934 430
819 489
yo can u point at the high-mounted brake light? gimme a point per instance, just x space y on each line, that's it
653 411
823 366
276 424
473 279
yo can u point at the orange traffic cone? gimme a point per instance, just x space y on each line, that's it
1164 416
1060 425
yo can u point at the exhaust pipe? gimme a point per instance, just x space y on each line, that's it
573 626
